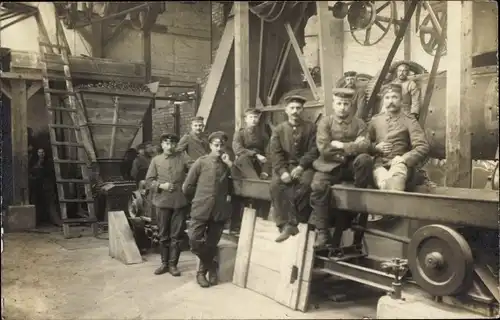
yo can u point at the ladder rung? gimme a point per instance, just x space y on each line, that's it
80 220
63 126
72 181
50 45
69 161
61 109
68 144
76 200
60 92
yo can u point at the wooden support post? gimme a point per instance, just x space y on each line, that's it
458 133
241 61
407 38
147 124
97 40
326 54
19 136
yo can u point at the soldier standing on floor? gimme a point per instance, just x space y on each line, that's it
141 162
209 182
398 141
164 178
293 150
194 143
343 145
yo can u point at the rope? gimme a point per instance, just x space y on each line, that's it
269 17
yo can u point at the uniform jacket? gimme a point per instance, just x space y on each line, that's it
172 169
351 131
359 101
410 96
194 146
293 145
405 135
208 182
250 141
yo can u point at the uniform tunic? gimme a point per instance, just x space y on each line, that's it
334 166
194 145
410 96
140 167
291 146
247 143
359 101
407 138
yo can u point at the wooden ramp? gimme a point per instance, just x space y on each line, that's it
280 271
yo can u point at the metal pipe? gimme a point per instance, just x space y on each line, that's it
381 234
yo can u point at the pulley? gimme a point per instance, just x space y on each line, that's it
428 34
440 260
370 21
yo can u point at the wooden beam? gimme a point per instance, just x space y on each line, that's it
34 87
97 40
216 71
326 55
147 124
6 89
115 32
407 38
458 132
241 61
19 136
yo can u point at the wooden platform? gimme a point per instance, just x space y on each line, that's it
280 271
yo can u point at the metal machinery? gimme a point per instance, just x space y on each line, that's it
141 213
453 254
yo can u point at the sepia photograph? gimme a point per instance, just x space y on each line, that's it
249 160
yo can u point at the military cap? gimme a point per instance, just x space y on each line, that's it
198 118
253 111
391 87
220 135
345 93
295 98
169 137
350 74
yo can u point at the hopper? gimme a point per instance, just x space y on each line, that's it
111 119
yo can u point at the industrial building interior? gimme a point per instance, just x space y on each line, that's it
88 84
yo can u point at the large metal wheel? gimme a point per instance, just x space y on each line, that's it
370 21
440 260
429 37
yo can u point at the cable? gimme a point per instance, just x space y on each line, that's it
269 17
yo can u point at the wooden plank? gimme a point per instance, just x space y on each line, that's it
305 286
244 248
79 65
33 89
241 61
97 44
147 125
19 136
122 244
217 71
6 89
458 133
113 130
330 64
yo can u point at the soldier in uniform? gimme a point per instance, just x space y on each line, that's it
194 143
164 178
293 150
208 181
398 142
249 145
141 162
343 146
410 96
359 97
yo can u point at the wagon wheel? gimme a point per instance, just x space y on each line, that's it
429 37
372 20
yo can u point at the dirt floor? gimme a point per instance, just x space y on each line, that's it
47 277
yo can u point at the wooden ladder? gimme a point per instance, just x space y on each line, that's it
63 183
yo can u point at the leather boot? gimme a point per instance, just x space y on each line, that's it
322 238
213 276
288 231
201 275
164 252
175 253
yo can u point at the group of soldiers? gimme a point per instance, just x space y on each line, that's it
301 160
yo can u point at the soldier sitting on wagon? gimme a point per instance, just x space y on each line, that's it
293 150
249 145
343 146
194 143
398 142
